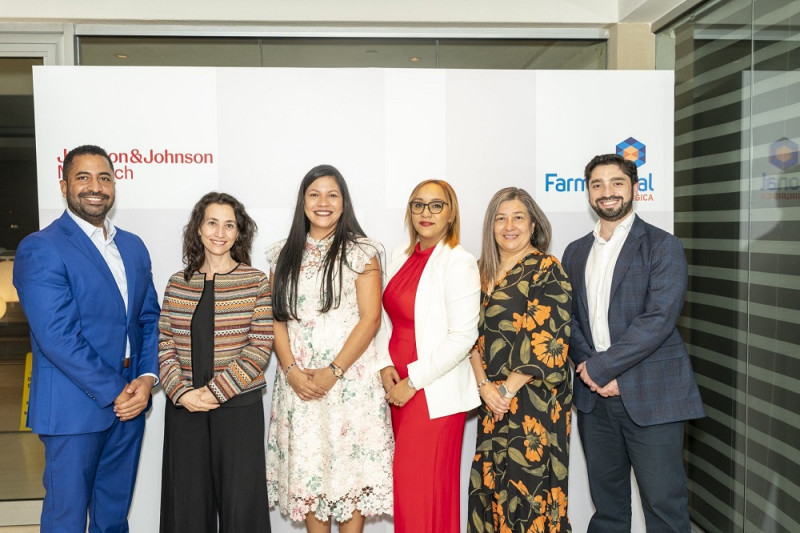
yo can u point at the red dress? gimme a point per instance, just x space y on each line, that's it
427 453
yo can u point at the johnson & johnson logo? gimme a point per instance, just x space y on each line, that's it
123 161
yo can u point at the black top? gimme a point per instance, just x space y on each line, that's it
203 347
203 337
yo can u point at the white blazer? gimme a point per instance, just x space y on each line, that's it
446 311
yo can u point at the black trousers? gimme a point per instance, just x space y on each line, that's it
613 444
214 471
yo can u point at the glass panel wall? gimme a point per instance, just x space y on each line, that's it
21 454
344 52
737 210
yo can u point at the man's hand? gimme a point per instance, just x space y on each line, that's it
581 371
133 399
612 389
199 400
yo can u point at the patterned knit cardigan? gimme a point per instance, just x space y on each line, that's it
242 332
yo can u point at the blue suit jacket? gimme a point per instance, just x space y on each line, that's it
647 355
79 326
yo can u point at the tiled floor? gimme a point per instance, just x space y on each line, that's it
21 466
12 374
21 453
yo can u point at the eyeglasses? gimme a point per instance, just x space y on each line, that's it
434 207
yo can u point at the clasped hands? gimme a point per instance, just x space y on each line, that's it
496 402
611 389
398 392
199 400
311 383
133 398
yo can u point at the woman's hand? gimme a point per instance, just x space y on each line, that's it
302 383
496 403
401 393
389 378
324 378
199 400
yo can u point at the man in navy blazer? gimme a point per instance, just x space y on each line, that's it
86 288
636 385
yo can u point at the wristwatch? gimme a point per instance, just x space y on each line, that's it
504 392
337 371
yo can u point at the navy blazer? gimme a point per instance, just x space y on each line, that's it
79 326
647 355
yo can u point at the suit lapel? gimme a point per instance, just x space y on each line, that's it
83 244
626 255
130 268
581 257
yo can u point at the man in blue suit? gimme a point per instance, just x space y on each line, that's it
87 291
636 385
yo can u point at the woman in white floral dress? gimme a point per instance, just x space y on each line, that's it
329 450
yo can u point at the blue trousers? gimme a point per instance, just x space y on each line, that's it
94 473
612 444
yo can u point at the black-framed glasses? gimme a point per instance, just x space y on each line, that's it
435 207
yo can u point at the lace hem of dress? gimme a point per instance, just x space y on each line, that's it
369 501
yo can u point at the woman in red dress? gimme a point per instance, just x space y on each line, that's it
432 301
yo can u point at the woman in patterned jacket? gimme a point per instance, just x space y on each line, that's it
214 345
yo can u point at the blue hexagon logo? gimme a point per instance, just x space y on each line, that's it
633 150
783 153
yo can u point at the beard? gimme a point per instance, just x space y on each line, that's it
616 213
94 214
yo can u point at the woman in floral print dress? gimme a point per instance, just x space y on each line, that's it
329 450
518 481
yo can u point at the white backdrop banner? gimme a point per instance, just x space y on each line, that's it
175 134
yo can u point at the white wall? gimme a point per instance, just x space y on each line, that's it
385 129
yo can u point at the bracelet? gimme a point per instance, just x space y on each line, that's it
483 382
288 368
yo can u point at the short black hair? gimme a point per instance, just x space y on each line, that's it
86 149
627 167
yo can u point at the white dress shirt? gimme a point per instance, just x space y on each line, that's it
599 274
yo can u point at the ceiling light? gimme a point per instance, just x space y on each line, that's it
122 56
415 59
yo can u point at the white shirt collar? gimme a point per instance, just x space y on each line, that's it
89 228
624 226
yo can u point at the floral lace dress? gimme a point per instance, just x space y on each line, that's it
334 455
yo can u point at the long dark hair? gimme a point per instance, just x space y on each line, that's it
287 267
193 250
